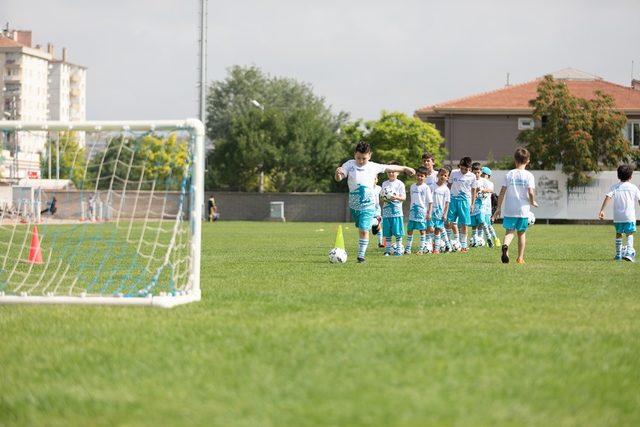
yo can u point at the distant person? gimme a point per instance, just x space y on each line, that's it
361 174
624 195
213 210
518 192
53 208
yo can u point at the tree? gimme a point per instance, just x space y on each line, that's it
581 135
72 162
274 126
395 136
153 161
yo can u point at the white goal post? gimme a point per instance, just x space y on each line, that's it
117 215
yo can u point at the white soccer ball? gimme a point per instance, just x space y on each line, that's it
337 256
531 219
480 242
387 193
455 246
397 248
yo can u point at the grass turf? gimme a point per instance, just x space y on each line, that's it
284 338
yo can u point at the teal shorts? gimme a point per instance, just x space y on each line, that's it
459 211
480 219
513 223
435 222
393 227
416 225
625 227
363 218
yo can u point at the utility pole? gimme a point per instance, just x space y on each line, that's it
202 112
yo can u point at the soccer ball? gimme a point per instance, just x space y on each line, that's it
531 219
480 242
387 193
397 248
337 256
455 246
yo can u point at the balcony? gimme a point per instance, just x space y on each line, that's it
13 63
15 78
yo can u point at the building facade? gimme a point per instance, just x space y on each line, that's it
486 126
35 87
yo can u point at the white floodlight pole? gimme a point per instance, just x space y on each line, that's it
202 111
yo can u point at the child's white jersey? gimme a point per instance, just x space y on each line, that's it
625 195
441 195
516 200
376 198
361 180
461 183
420 199
432 180
393 208
483 200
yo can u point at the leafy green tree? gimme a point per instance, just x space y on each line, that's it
274 126
581 135
153 161
396 136
72 158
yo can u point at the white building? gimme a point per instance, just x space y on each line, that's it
35 87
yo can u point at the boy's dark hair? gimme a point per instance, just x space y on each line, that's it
466 162
521 156
476 166
625 172
363 147
427 155
422 171
444 170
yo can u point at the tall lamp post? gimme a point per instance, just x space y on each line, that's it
261 166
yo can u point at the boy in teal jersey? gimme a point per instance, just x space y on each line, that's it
392 215
459 216
420 211
441 200
518 192
361 174
624 195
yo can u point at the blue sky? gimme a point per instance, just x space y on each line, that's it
361 56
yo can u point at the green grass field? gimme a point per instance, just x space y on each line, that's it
283 338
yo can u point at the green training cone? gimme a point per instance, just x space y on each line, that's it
339 239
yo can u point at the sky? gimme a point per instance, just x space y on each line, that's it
363 57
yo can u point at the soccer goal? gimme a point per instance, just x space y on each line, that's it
101 212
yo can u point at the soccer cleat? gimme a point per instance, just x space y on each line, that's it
381 245
420 253
435 251
617 258
464 250
387 254
407 251
360 260
520 261
505 254
497 241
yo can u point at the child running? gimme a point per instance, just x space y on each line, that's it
420 211
518 192
624 195
361 174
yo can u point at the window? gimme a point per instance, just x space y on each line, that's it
632 132
525 123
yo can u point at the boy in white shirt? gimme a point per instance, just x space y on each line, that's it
459 215
481 210
441 200
624 195
420 211
361 175
428 162
392 215
518 191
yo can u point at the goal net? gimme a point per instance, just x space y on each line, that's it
101 212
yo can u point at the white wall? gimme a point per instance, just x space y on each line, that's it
578 203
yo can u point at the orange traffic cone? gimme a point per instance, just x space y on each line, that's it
35 252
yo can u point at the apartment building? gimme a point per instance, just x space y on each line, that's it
36 86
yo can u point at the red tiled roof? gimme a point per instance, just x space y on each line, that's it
517 97
7 42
